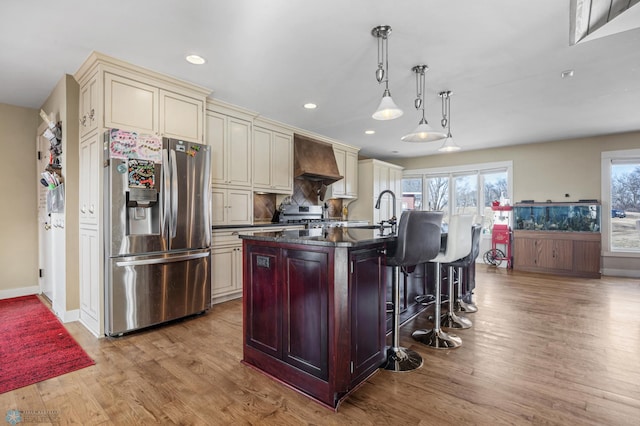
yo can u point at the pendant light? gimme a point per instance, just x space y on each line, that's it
424 132
449 145
387 110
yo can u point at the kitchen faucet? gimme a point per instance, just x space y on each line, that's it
393 219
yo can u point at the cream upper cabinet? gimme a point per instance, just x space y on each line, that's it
181 117
89 106
89 185
230 141
143 107
348 167
272 160
131 105
375 176
230 206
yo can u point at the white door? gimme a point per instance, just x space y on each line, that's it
45 233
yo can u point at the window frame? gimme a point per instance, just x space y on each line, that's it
463 170
607 159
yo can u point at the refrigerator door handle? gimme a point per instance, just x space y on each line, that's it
165 193
158 260
174 194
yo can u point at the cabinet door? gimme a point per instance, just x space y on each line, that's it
216 139
556 254
239 149
586 257
368 316
524 253
223 270
351 174
305 324
239 206
89 185
90 312
130 105
261 158
218 206
338 188
282 162
181 116
263 300
89 106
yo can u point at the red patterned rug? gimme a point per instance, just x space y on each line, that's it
34 345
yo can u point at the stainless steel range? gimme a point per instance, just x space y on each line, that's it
312 217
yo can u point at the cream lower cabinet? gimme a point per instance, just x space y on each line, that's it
272 160
231 206
226 264
90 286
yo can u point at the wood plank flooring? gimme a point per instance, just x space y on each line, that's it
543 350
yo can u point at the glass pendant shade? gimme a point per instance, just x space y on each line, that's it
423 133
387 110
449 145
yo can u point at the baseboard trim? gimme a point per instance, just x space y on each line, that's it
70 316
17 292
625 273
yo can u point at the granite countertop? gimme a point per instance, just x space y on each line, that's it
332 237
255 225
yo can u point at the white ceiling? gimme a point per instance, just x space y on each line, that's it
502 59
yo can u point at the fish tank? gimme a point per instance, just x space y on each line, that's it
567 217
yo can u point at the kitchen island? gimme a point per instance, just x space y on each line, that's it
314 308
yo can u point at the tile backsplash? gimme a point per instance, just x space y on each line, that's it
305 192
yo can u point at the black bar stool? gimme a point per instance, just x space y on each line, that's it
458 246
418 241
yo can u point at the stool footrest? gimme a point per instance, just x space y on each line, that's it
437 339
402 359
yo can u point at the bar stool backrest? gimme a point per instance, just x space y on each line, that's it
475 242
418 238
458 239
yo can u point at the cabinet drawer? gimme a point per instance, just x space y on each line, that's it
230 236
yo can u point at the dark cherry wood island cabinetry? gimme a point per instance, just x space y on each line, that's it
314 308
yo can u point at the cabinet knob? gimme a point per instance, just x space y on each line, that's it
92 114
83 209
91 208
83 121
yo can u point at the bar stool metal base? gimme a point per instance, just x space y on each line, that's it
437 339
451 320
402 359
468 307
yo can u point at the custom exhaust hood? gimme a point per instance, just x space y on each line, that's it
314 160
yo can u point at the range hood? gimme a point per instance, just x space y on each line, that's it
314 160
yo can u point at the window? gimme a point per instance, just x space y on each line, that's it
471 188
412 193
621 201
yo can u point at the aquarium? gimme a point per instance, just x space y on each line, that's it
568 217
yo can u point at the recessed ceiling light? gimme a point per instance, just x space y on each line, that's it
567 74
369 132
195 59
310 105
394 152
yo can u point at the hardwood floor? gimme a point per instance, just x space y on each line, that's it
543 350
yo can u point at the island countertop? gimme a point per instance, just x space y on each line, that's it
328 237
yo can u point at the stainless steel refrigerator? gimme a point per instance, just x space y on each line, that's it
157 230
